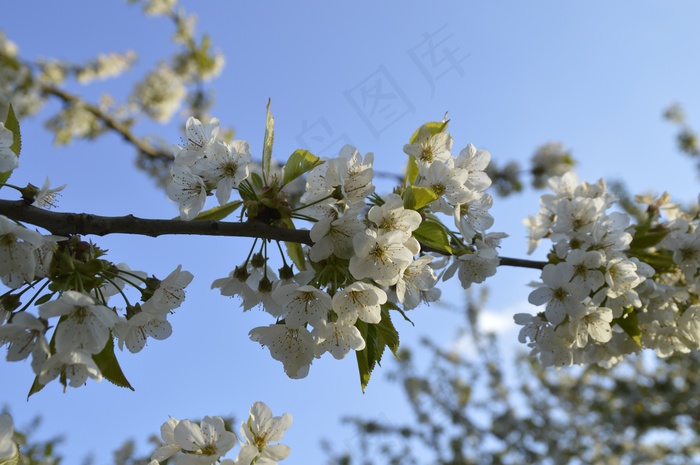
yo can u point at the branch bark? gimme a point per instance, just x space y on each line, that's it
64 224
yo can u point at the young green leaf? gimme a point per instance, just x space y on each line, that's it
415 197
267 144
427 130
219 212
299 162
630 325
12 124
433 235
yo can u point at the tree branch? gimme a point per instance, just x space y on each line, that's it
64 224
110 122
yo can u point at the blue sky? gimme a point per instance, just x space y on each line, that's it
512 76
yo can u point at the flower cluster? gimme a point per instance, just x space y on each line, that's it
203 164
205 444
83 322
71 284
611 288
370 254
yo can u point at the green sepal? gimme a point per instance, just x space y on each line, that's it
219 212
12 124
267 144
109 366
630 325
415 197
433 235
299 162
377 337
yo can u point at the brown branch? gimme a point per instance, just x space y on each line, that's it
506 261
63 224
110 122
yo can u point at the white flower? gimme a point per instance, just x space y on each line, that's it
392 216
134 331
203 444
562 297
380 257
77 365
474 162
583 269
417 279
471 215
293 347
188 190
621 275
8 158
446 182
17 252
474 267
259 431
200 138
8 447
334 237
359 300
171 292
427 150
25 335
595 323
225 165
46 197
303 304
85 325
338 338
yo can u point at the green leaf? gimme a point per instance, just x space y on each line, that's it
388 335
299 162
643 239
377 337
427 130
267 144
257 181
411 170
415 197
219 212
12 124
296 253
367 357
433 235
109 366
393 306
630 325
43 299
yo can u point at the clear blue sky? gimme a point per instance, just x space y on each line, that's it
512 76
